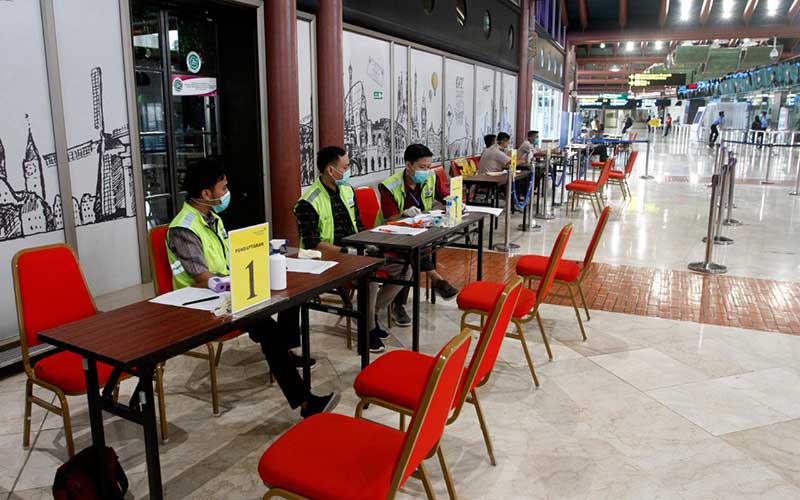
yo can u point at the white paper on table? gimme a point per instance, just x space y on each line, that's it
309 266
497 174
181 296
419 218
485 210
409 231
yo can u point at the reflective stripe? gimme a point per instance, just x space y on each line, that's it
187 221
313 196
178 270
394 184
175 265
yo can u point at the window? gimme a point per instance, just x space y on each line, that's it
428 6
510 37
486 24
461 12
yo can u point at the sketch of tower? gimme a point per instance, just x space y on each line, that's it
402 108
414 115
3 172
32 166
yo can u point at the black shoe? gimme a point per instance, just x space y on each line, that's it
445 290
319 404
375 342
297 361
400 316
384 334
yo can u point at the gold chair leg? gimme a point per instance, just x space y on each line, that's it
389 316
360 408
402 422
212 374
67 423
448 480
218 354
577 311
583 299
484 429
544 338
528 357
426 482
162 405
26 424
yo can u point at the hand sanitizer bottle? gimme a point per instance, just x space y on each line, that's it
277 266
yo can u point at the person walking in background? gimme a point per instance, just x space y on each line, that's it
667 124
717 124
756 134
628 123
649 117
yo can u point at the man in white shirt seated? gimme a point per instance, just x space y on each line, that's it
494 159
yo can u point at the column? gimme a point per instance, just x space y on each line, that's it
330 86
283 115
523 78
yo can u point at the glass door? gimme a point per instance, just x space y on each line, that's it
175 59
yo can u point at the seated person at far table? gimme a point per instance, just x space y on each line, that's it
326 213
494 158
602 149
197 246
414 190
528 149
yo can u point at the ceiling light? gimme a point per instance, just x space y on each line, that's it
615 68
727 9
772 7
602 45
629 46
659 44
686 10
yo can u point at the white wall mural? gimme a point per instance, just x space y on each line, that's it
308 147
400 102
497 103
484 107
426 101
509 109
459 82
367 107
96 118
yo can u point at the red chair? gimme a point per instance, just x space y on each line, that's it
162 272
478 297
396 380
50 291
339 457
369 207
442 176
590 190
569 273
620 178
601 164
455 169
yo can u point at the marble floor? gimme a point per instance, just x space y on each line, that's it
647 408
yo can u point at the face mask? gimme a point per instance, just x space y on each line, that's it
345 178
224 202
421 176
536 142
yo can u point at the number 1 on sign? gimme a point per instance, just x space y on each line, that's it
251 280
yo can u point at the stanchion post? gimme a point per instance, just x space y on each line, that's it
544 215
707 266
796 191
729 220
506 246
767 180
647 175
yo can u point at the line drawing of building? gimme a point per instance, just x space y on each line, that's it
422 131
26 211
366 141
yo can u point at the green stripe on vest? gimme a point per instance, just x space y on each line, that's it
317 196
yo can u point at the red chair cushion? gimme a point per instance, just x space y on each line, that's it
536 265
585 186
398 377
598 164
482 296
616 174
334 457
65 370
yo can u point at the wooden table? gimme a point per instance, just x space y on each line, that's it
412 246
495 183
136 338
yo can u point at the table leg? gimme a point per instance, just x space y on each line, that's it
492 218
305 336
96 420
147 400
480 248
362 289
415 257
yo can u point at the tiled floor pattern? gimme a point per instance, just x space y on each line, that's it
757 304
646 408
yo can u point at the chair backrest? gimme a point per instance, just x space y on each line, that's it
159 260
50 291
555 257
598 233
631 161
492 334
440 173
427 424
473 166
605 172
369 207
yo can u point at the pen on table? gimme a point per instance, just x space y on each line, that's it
199 300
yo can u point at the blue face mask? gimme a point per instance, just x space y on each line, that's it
224 202
536 142
345 178
421 176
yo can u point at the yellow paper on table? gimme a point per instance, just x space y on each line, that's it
513 168
249 251
456 185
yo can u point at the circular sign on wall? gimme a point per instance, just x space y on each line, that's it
193 62
177 85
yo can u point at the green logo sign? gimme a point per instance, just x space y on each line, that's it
177 85
377 95
193 62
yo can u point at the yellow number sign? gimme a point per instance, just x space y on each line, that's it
456 184
249 266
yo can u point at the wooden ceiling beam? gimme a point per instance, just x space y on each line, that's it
749 10
705 10
583 13
794 9
564 15
623 13
698 33
620 60
663 12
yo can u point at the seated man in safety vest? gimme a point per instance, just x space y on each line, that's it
326 213
197 245
409 192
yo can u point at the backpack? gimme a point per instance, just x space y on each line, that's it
77 478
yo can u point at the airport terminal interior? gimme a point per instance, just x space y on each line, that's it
360 249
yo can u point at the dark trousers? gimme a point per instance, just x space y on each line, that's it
712 138
275 339
625 128
602 151
425 264
666 130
